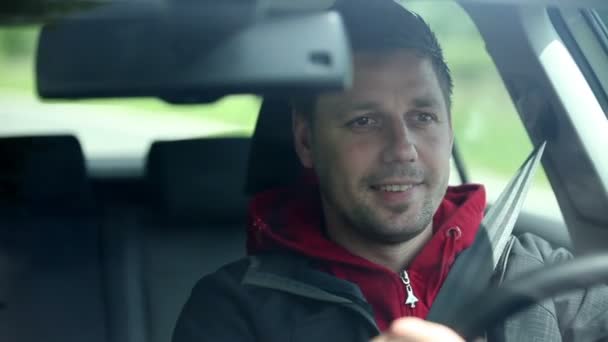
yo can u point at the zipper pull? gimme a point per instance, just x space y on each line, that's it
411 298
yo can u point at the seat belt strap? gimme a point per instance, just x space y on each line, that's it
472 271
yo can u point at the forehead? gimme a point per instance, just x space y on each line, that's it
397 76
403 70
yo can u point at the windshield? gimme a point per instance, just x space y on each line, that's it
356 181
489 133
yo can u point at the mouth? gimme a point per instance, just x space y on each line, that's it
394 193
392 187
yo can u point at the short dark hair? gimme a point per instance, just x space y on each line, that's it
385 25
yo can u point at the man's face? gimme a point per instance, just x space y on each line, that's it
381 150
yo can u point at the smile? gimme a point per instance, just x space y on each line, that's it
394 187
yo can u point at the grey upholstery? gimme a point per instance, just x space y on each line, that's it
199 180
43 174
50 266
196 224
117 266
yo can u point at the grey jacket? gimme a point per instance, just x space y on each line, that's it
576 316
282 298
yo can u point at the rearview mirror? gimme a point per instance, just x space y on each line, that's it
190 54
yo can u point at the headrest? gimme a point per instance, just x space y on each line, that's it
199 180
273 161
43 172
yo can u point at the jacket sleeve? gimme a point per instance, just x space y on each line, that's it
581 315
217 310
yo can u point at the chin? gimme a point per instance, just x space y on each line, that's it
395 239
397 234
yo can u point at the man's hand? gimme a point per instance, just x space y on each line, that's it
411 329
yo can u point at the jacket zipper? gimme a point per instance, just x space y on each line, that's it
411 299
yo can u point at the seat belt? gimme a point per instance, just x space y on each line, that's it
473 269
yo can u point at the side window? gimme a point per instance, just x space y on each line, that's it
489 134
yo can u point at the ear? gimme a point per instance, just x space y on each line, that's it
302 133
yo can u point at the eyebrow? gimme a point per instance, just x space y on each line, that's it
369 105
418 102
425 101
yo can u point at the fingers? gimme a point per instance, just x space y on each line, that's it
413 329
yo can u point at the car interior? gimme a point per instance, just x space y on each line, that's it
112 256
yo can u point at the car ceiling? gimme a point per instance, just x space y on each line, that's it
560 3
32 11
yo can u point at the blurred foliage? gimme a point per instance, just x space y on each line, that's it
17 42
17 47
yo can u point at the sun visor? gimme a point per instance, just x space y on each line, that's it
190 54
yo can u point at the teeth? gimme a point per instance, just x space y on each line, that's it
396 188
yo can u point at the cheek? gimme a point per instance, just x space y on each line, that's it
349 159
436 152
359 156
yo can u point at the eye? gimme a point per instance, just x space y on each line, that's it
362 122
423 118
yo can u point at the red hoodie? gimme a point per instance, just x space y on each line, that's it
292 219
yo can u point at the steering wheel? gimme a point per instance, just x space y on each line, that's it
513 296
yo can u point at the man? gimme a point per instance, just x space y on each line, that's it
371 237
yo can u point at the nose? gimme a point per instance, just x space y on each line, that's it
400 146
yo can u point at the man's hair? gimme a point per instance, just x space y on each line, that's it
385 26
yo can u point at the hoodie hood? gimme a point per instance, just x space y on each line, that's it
291 219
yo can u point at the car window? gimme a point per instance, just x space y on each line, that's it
490 135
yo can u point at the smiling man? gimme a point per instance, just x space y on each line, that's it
370 235
381 152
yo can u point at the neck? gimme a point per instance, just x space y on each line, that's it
394 256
